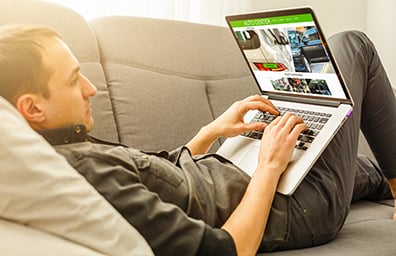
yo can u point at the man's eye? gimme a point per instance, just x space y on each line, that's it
74 82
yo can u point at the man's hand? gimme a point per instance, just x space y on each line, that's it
231 123
278 142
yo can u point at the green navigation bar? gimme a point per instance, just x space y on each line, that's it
272 21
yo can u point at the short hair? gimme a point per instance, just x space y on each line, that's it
22 69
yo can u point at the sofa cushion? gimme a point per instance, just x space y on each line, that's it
166 83
38 188
368 230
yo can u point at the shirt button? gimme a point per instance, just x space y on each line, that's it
77 129
66 140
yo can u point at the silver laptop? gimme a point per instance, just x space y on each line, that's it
294 68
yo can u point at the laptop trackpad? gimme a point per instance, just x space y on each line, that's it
249 162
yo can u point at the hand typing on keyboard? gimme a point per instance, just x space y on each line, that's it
278 141
231 123
314 121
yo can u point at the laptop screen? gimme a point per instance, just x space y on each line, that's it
288 54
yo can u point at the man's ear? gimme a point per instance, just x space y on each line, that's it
27 105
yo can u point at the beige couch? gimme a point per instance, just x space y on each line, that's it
158 82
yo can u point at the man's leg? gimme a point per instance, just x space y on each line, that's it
319 206
370 182
377 104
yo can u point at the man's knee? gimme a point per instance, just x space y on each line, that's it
349 37
351 41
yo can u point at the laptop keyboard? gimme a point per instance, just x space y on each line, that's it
313 119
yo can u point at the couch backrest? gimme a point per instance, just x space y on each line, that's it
168 78
81 39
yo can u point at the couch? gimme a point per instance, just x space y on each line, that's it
158 82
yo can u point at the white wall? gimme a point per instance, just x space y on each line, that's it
381 21
331 15
376 17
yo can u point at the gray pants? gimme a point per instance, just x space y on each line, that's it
317 210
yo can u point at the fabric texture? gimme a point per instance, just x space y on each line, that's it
22 240
38 188
169 87
167 197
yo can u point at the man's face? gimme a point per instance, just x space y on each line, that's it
69 91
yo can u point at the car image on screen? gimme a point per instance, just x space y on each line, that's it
265 49
307 48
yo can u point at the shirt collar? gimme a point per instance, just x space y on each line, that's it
65 135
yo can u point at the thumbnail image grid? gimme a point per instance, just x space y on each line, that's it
302 85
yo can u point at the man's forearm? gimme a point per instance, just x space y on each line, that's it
247 223
202 142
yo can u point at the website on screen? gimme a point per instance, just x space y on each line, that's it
287 55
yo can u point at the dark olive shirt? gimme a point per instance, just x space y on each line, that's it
176 201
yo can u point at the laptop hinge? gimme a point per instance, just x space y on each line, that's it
331 103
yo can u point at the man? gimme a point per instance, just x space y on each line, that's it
204 205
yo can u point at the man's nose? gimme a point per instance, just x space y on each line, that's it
89 89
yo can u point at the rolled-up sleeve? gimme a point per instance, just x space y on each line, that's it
216 242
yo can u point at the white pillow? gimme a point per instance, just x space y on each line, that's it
40 189
35 242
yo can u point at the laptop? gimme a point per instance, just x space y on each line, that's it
292 64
